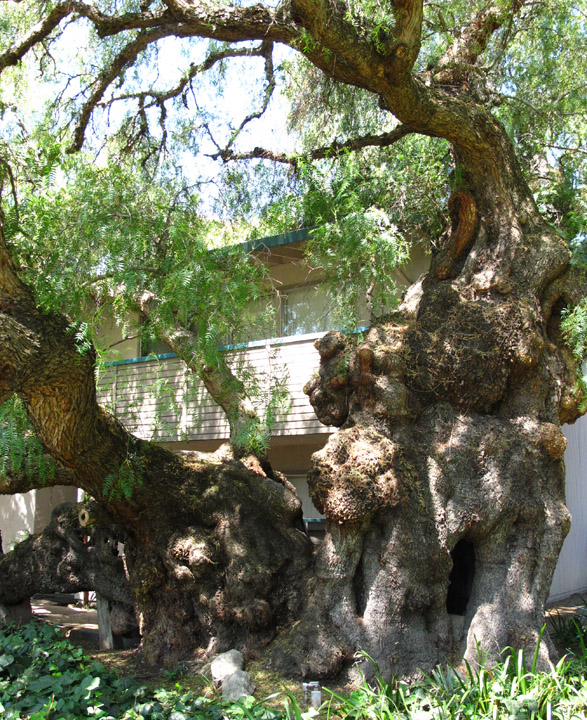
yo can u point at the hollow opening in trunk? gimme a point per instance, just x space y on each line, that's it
460 582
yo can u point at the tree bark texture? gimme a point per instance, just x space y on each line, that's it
214 548
444 487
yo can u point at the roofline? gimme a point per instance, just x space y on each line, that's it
273 241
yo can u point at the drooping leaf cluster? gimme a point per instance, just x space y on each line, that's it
111 245
94 241
20 451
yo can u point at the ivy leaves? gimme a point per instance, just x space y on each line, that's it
44 677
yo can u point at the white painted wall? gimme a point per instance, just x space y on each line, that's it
571 571
30 513
17 517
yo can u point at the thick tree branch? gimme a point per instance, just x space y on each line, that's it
408 29
329 26
233 24
327 151
39 360
10 284
455 65
108 25
38 33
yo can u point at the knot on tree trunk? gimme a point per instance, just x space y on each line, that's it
464 348
90 513
553 441
369 380
329 389
358 472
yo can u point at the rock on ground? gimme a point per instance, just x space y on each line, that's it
226 664
237 685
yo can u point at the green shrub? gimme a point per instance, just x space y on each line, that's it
506 691
44 677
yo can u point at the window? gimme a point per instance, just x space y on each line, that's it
152 346
262 321
295 311
305 310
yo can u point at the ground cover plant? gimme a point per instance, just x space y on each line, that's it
43 676
507 690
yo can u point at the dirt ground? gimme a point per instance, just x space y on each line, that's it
80 625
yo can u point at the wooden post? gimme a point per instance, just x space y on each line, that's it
106 640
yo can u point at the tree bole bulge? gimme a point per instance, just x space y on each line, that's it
453 442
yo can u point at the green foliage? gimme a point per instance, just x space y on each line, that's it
44 677
20 451
574 329
364 228
92 240
506 690
272 402
121 483
569 631
105 244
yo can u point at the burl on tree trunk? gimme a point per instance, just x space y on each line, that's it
444 487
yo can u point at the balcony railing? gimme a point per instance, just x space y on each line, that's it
158 399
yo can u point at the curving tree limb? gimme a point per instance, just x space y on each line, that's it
457 63
327 151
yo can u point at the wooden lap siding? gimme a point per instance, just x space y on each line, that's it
158 400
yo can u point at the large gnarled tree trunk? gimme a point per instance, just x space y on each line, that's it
214 548
444 487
